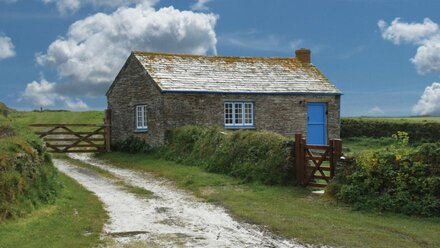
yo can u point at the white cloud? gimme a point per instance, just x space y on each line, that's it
94 49
65 6
43 94
7 49
398 31
425 35
427 58
375 111
429 103
40 93
75 104
200 5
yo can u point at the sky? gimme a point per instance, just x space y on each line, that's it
384 55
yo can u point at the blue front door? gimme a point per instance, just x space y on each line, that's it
316 123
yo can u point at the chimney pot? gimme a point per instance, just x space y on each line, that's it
303 55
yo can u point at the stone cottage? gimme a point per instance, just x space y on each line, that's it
156 92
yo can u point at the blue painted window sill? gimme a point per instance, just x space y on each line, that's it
240 127
141 130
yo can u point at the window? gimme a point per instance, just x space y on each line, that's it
239 114
141 117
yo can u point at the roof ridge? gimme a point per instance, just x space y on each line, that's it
144 53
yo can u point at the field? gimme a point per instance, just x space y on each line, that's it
67 117
398 119
354 145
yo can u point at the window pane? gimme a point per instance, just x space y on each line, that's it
249 113
238 113
144 115
228 114
141 116
138 116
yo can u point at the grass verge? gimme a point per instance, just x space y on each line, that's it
292 212
75 220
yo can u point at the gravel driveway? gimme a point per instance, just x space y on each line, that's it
171 218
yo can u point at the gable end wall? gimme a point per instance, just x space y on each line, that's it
132 87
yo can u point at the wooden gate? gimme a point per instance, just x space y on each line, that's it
74 138
315 164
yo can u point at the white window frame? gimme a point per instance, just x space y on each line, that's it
141 117
232 119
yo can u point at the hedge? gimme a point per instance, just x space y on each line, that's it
419 132
396 179
249 155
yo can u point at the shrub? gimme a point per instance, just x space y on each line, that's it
396 178
249 155
27 175
132 144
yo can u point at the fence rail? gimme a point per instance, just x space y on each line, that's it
76 138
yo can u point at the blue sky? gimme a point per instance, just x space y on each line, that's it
64 54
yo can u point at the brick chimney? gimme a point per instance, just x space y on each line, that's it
303 55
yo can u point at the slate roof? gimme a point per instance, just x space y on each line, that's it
216 74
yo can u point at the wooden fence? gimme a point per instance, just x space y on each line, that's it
77 138
315 164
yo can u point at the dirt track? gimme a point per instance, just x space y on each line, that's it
171 218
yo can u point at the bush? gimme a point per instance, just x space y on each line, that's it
419 132
396 178
249 155
27 175
132 144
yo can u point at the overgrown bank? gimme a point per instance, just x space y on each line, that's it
74 220
28 177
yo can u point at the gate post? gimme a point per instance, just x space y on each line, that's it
107 128
299 158
336 155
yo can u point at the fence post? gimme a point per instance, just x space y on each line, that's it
304 162
298 159
333 160
336 155
107 128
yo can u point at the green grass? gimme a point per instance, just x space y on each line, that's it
85 117
292 212
75 220
417 119
357 144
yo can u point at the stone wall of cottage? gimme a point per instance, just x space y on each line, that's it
134 87
284 114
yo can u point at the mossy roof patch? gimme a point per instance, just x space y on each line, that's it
201 73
